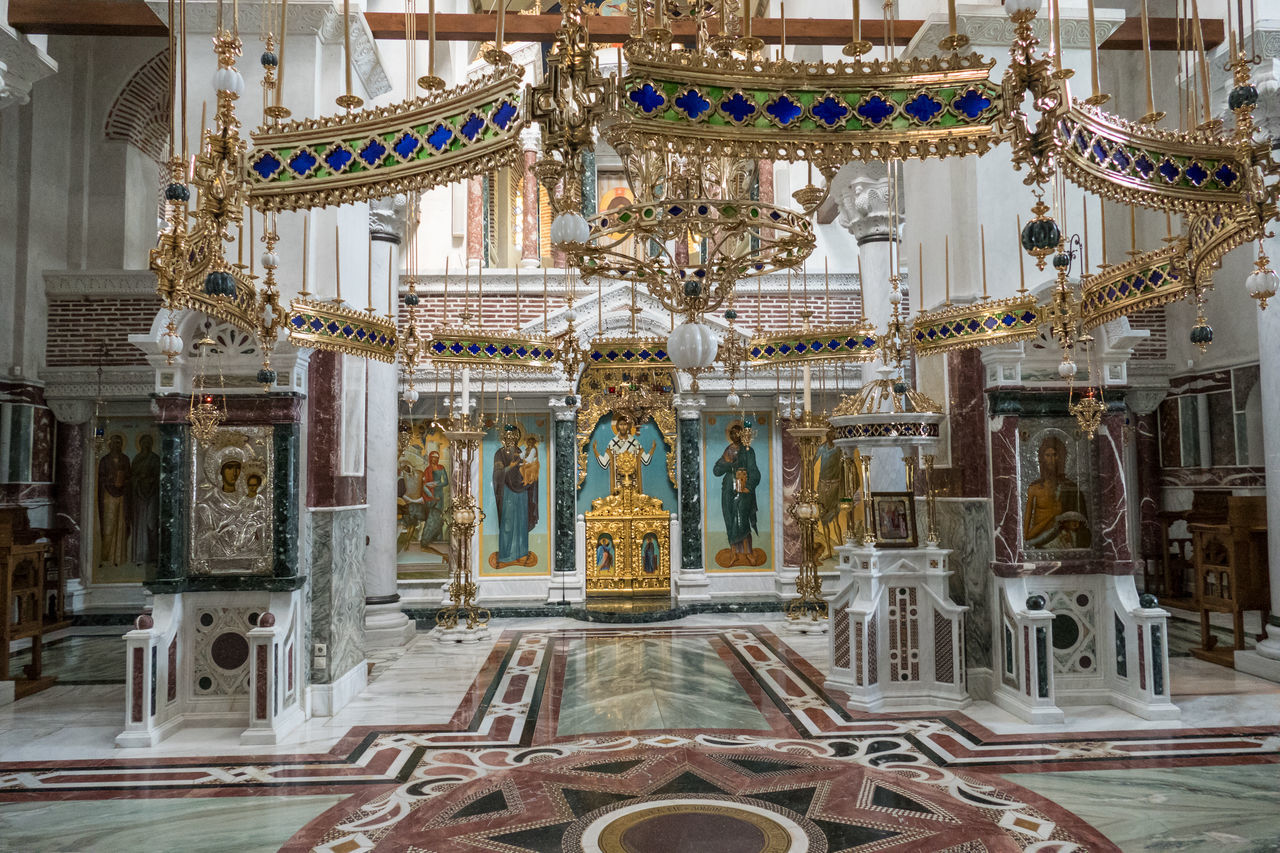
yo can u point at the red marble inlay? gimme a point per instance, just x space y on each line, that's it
135 695
260 685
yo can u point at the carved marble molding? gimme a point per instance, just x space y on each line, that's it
1266 76
22 63
320 18
121 382
861 195
990 26
75 284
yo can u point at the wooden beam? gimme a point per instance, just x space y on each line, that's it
135 18
1164 34
85 18
616 28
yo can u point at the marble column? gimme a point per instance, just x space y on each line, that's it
68 489
1265 660
566 582
475 222
1005 509
1143 405
691 580
861 193
1113 494
530 254
589 187
970 473
385 625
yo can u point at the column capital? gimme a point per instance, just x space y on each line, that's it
562 410
531 138
387 219
861 194
688 406
69 411
22 63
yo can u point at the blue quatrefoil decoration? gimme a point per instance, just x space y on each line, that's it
361 334
1196 174
471 127
373 152
1120 159
693 105
440 137
971 104
1225 175
784 110
831 111
738 107
1081 141
647 98
298 321
504 115
875 109
922 108
1145 165
1169 170
268 164
1100 152
303 162
337 158
406 145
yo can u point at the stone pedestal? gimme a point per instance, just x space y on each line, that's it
897 639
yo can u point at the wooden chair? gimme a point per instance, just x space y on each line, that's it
1231 572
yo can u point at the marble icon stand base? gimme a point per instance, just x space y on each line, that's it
897 638
1077 639
806 625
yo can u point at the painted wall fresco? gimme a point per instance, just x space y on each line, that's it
423 488
737 517
126 503
840 510
654 479
515 494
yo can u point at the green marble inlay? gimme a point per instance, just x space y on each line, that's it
1188 809
190 824
663 683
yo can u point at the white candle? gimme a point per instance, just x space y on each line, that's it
808 391
466 391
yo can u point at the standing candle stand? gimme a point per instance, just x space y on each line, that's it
461 621
807 613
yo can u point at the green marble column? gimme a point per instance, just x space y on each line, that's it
566 490
171 562
690 493
590 191
285 521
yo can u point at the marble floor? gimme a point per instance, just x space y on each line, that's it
712 734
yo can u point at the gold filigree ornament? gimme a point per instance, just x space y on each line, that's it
1088 412
203 413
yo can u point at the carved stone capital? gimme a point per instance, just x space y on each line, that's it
1144 401
387 218
689 406
22 63
70 411
861 195
531 138
561 410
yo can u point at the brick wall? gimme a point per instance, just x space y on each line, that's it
78 327
1156 347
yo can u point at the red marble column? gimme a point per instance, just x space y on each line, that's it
1113 495
529 251
1148 456
67 492
475 222
325 486
1005 509
967 415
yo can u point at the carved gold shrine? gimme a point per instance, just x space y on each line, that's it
628 538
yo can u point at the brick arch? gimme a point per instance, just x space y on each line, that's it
141 112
